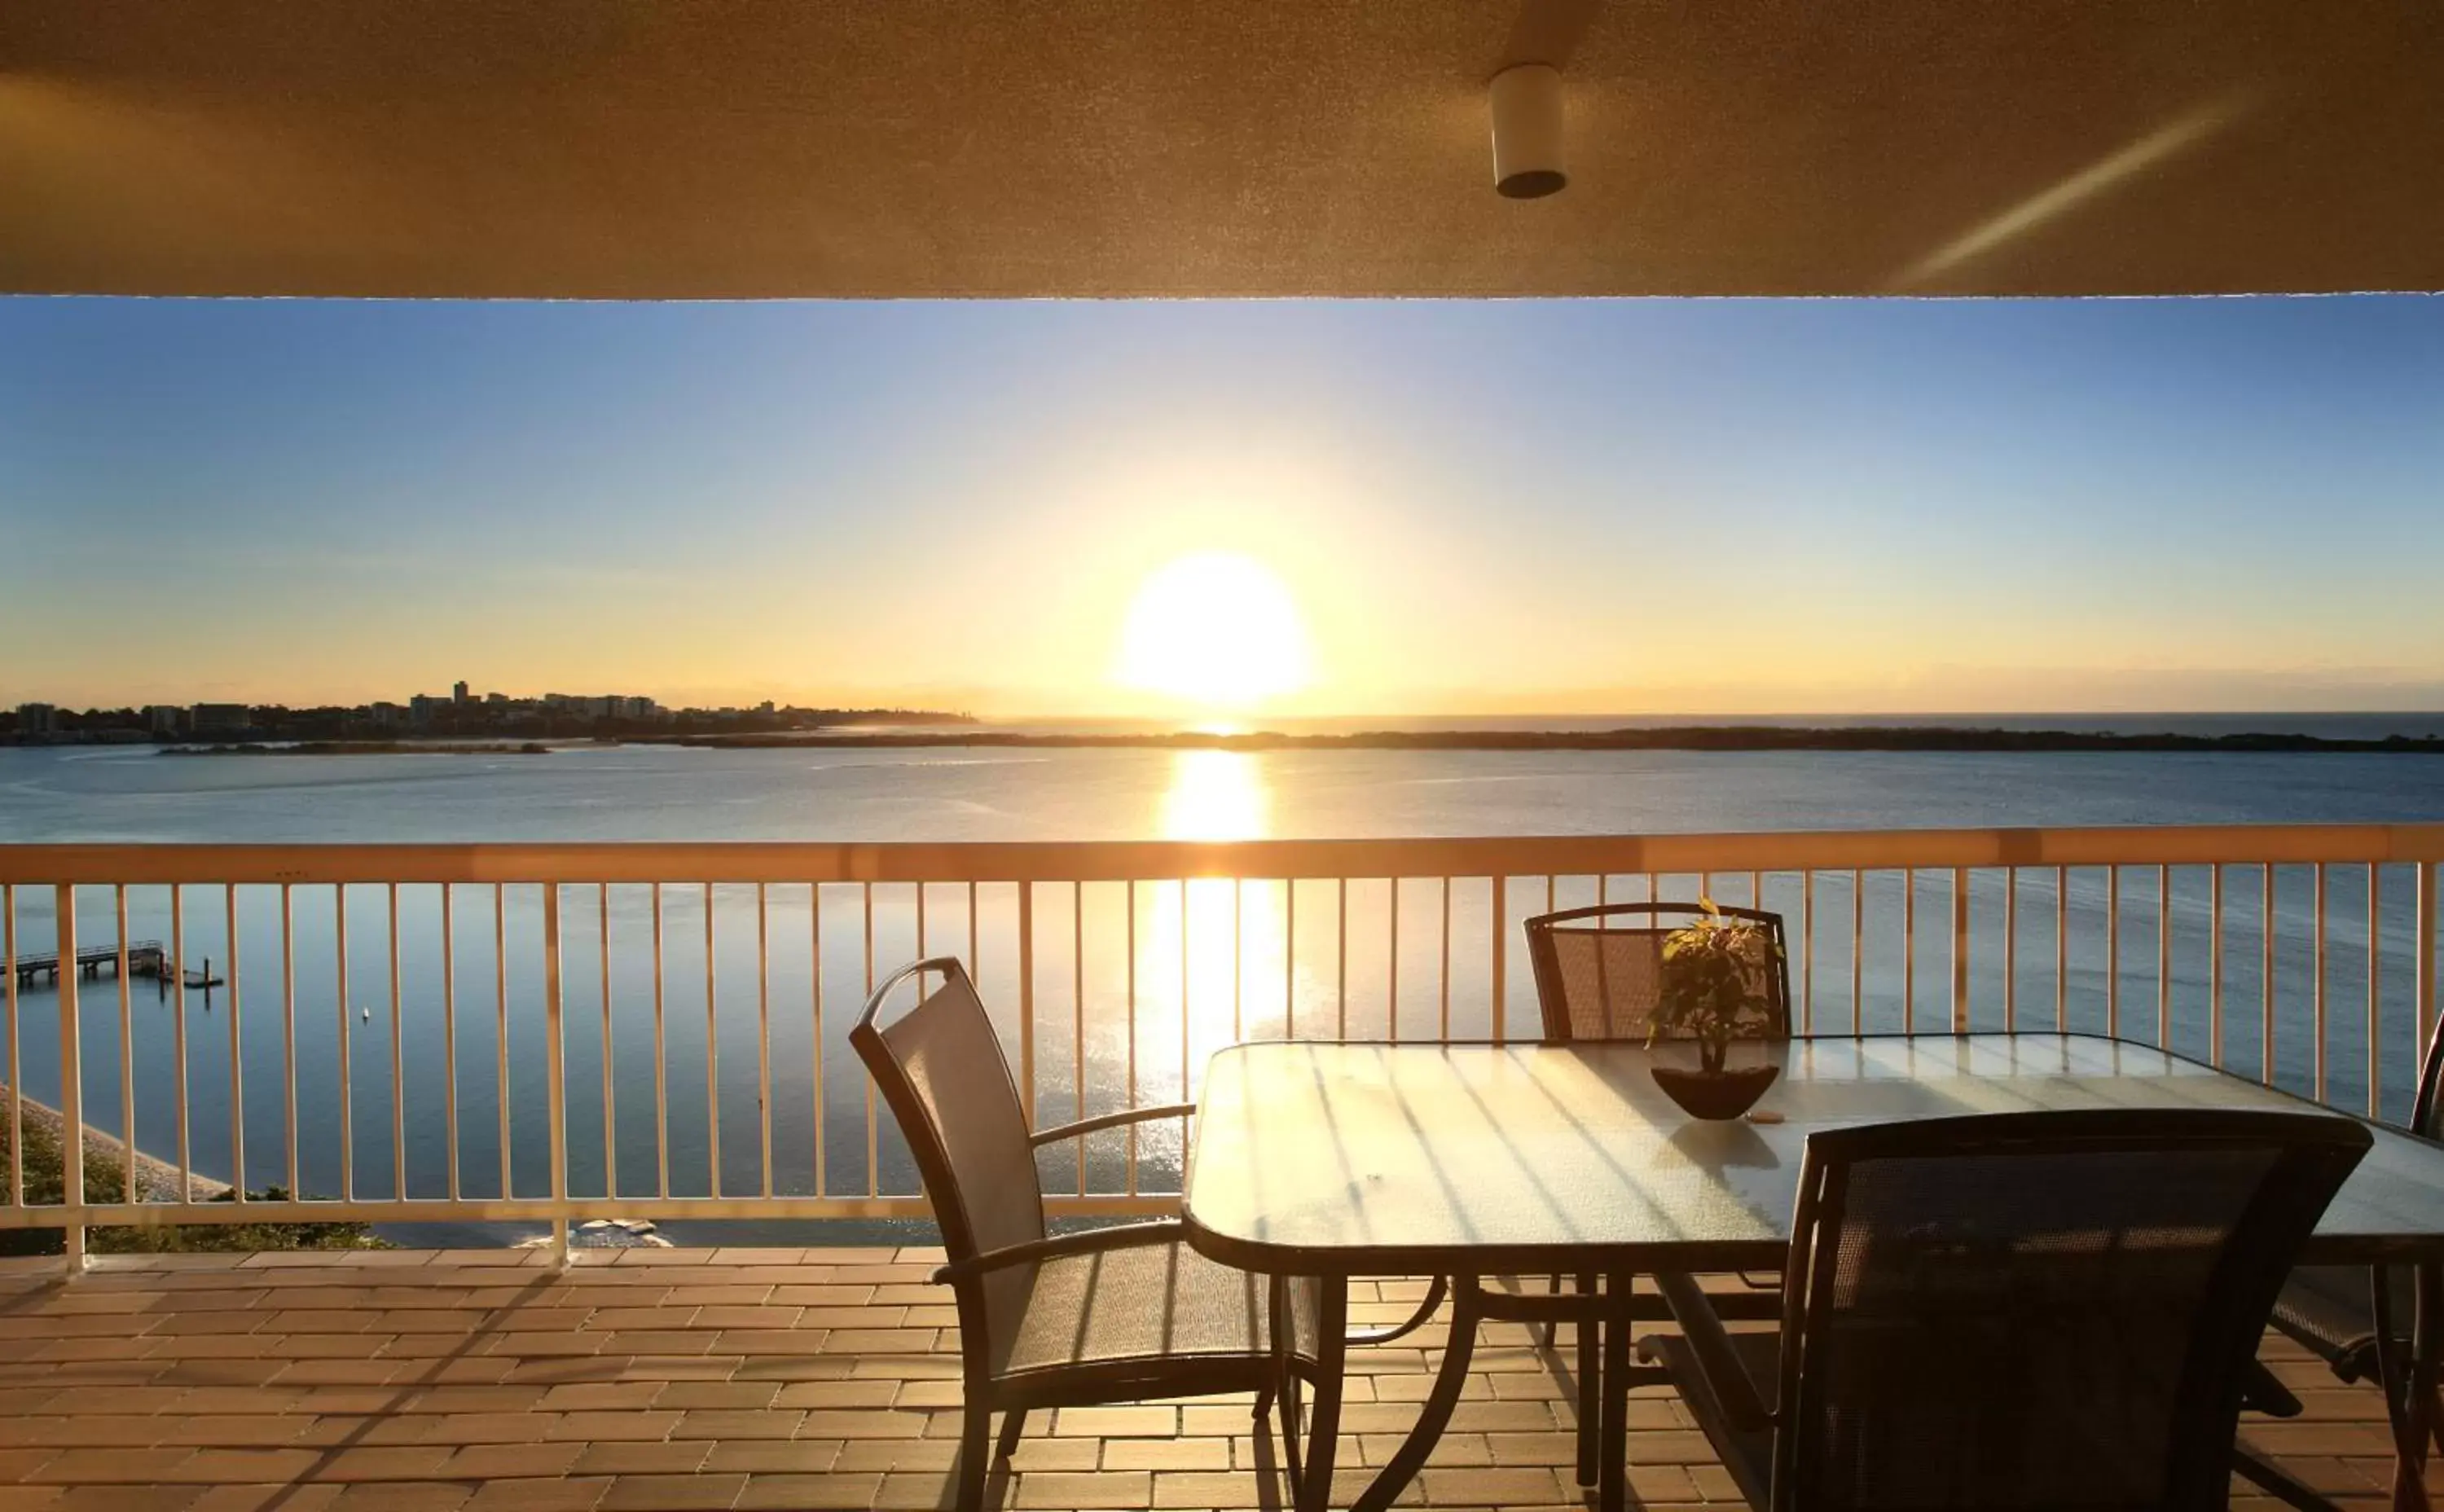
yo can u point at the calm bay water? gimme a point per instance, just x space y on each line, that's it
1192 991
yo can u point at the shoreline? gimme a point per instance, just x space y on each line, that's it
155 1179
1722 738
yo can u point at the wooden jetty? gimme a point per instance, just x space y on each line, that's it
142 957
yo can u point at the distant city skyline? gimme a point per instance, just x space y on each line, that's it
1473 508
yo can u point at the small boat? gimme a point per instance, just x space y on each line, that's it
366 1014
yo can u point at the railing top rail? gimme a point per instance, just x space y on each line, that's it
1120 860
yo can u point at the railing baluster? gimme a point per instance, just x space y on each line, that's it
1133 1033
1238 958
555 1071
347 1080
1392 988
610 1060
2113 951
288 1033
1077 1011
2011 949
2164 956
712 1056
501 1023
449 1033
1960 949
236 1054
1341 952
72 1187
2317 967
16 1072
2061 949
815 993
1858 951
2375 976
764 1026
398 1069
2425 979
2214 965
178 1042
1184 1095
1909 950
1444 1010
662 1062
1501 959
1289 958
127 1145
1807 951
872 1127
1027 999
2265 984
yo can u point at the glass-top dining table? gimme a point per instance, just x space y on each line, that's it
1341 1160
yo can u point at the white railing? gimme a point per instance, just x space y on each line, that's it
487 1033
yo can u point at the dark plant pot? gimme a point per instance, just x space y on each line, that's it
1725 1094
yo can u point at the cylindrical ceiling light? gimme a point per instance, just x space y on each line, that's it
1526 100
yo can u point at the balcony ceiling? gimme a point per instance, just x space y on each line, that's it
754 148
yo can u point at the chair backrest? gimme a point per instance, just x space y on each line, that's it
1600 971
2038 1309
940 1067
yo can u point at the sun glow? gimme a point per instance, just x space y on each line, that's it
1216 630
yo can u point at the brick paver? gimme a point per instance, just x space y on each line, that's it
734 1380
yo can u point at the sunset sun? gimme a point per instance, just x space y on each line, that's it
1217 630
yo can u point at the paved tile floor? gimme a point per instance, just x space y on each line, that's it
420 1381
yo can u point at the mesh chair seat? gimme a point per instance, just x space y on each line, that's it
2326 1308
1160 1301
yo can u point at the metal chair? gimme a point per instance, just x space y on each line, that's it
1077 1320
1599 977
2359 1319
2048 1309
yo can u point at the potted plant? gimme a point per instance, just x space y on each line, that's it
1715 990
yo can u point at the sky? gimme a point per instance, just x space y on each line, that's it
1482 507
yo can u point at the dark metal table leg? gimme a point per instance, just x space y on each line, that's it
1395 1475
1590 1390
1313 1490
1612 1470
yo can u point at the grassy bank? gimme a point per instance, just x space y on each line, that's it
105 1180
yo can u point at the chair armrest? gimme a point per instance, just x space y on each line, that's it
1712 1345
1111 1120
1160 1230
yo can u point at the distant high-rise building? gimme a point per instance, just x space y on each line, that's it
458 692
37 719
420 707
388 715
495 700
163 719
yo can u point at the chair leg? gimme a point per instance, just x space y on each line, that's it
973 1466
1012 1424
2277 1482
1292 1411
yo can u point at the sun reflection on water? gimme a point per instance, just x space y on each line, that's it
1215 795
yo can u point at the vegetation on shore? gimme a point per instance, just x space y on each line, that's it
106 1181
364 747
